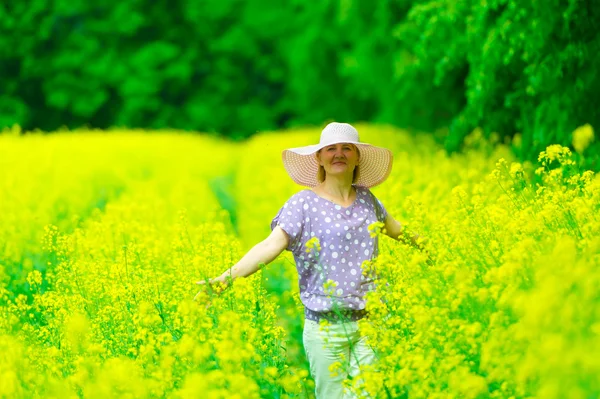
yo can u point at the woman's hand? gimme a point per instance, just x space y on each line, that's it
213 285
421 242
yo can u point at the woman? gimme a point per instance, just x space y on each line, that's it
327 229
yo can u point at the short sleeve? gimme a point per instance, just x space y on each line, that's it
291 219
380 210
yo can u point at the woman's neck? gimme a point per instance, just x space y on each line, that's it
338 189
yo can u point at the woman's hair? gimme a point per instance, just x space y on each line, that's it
355 175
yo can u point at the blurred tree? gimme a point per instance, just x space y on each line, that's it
507 66
236 67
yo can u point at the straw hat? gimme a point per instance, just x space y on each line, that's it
375 163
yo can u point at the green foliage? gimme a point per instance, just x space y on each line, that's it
191 65
505 65
236 67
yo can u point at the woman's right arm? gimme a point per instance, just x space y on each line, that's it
262 253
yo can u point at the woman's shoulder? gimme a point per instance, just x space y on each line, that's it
302 193
299 196
368 195
364 191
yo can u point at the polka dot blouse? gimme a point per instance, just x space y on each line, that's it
344 241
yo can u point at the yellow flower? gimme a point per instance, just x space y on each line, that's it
335 368
516 169
34 278
501 304
376 228
329 287
583 137
554 152
313 243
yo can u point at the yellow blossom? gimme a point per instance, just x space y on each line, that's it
507 299
313 244
583 136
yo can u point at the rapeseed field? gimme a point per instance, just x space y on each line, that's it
104 234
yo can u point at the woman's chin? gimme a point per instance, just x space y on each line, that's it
339 168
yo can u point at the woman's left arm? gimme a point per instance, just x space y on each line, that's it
394 229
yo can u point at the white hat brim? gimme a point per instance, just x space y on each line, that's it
375 164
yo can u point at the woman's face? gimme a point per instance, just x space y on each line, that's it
338 159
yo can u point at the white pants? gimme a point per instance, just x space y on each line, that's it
334 343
